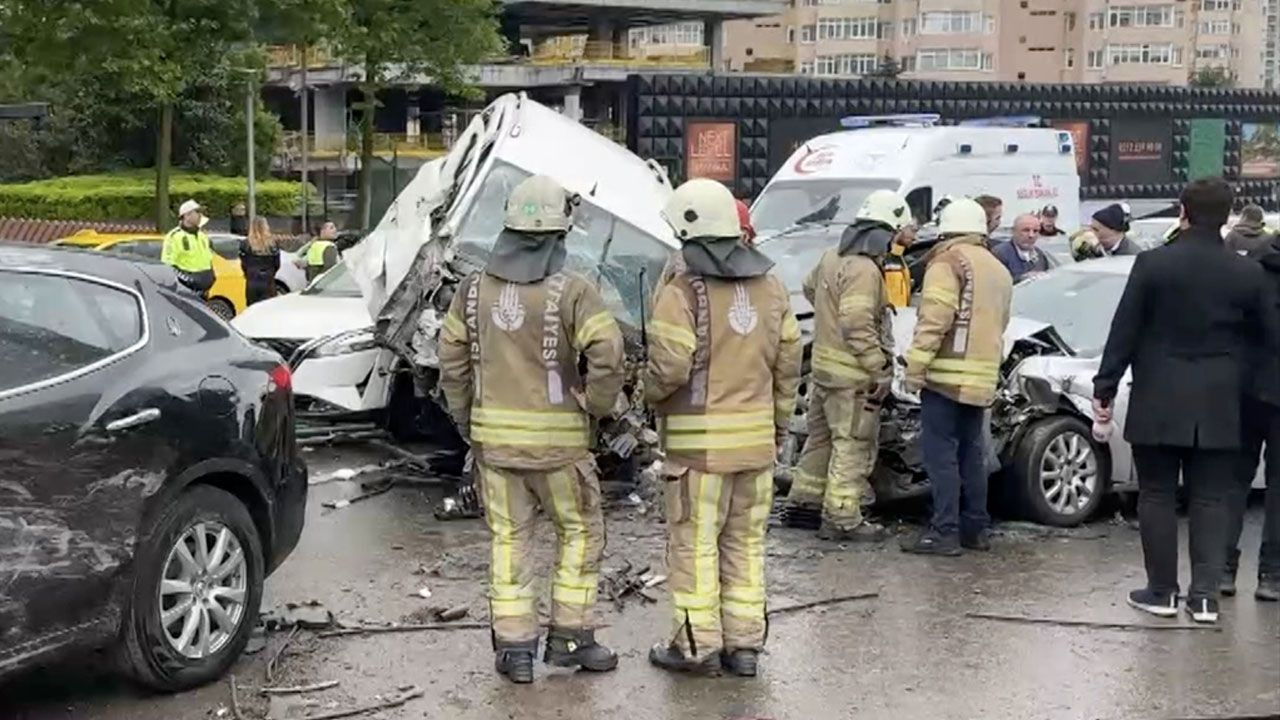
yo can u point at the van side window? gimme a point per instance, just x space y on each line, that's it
920 201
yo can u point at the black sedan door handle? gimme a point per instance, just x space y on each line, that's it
142 417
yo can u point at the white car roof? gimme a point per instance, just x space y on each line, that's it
1116 265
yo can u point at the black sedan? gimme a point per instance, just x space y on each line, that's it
149 475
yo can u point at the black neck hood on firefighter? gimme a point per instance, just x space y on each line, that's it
725 258
526 257
865 237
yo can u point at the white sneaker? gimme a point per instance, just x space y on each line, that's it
1203 610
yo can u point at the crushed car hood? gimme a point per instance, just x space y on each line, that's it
302 317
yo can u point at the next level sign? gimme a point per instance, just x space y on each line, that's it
711 150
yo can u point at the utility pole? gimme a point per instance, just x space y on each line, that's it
306 139
249 106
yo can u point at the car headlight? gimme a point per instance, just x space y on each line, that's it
345 343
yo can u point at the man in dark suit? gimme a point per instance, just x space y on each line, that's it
1185 324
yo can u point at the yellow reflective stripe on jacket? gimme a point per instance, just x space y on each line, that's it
454 327
947 297
854 302
837 362
674 333
548 438
790 329
593 328
964 373
720 440
918 355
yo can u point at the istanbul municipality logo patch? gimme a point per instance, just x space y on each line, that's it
507 312
742 314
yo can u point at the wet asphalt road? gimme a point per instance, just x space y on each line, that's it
910 653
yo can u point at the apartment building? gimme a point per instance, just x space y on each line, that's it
1088 41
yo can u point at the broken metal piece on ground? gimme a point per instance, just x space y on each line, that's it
299 689
400 698
1023 619
821 603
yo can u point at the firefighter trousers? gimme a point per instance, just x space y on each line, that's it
834 470
571 497
715 558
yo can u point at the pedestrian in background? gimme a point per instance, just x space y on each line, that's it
186 249
1020 255
994 208
260 260
239 220
954 362
1049 222
1260 426
1249 236
1105 236
321 253
1185 325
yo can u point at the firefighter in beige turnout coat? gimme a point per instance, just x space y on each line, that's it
509 357
724 365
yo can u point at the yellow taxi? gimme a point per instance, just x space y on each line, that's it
226 297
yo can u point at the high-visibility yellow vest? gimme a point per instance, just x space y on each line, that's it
315 253
186 251
897 277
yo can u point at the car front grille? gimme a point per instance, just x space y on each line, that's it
285 347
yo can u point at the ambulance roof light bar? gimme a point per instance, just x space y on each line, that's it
860 122
1007 121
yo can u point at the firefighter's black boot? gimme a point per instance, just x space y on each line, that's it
864 531
803 517
516 661
578 648
669 657
740 662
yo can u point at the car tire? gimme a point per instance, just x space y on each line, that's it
1060 445
221 308
148 653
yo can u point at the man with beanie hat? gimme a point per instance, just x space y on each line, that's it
1105 235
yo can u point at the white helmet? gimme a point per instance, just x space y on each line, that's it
962 216
887 207
702 208
538 204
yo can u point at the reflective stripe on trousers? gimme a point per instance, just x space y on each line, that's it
715 559
839 455
571 497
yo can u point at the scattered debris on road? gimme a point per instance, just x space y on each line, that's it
397 628
626 581
235 701
274 662
310 615
822 603
299 689
376 490
1086 623
404 695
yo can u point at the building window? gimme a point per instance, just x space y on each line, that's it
1123 16
1213 52
953 59
908 64
791 35
1070 18
955 22
851 64
908 27
1144 54
1095 59
863 28
1219 5
884 31
1215 27
806 68
1069 57
1096 21
806 34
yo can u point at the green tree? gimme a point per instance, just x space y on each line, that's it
1213 76
155 50
889 68
396 40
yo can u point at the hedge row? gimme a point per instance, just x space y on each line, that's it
130 195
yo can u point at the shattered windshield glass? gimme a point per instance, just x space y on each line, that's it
794 202
607 250
1079 305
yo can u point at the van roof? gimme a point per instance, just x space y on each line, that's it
894 152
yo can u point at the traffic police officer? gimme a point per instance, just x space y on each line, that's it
509 360
186 249
321 253
723 368
851 373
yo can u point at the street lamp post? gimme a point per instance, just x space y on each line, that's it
249 107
